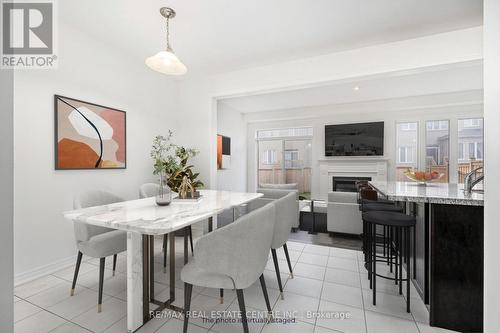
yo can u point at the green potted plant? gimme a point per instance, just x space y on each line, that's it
180 171
171 161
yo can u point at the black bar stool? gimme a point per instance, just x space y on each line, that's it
381 207
387 235
399 226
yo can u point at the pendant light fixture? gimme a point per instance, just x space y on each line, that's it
166 62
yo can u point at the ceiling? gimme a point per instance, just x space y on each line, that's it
456 78
213 36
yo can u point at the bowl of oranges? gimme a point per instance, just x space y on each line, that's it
423 177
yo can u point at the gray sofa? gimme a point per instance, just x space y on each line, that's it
343 214
291 186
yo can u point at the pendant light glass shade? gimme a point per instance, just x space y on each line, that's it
166 62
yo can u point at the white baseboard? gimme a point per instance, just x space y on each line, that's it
43 270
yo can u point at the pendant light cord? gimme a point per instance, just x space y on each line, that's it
168 35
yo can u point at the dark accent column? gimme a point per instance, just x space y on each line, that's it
427 253
457 244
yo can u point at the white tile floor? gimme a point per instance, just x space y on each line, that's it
328 281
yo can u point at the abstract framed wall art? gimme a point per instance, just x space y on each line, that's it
223 152
88 135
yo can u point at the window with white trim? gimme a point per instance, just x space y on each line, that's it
461 151
408 126
291 158
284 133
470 146
472 123
406 148
437 147
269 157
405 155
437 125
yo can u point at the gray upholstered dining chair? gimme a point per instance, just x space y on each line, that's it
150 190
271 194
232 257
95 241
285 217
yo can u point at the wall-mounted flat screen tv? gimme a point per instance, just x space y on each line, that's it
363 139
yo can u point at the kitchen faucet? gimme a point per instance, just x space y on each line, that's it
472 178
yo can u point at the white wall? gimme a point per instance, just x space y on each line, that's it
91 71
231 123
197 95
390 111
6 200
492 164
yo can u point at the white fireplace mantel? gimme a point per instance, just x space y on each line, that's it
373 167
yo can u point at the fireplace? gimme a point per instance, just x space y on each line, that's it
353 168
346 184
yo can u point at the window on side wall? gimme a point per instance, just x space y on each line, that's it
470 146
406 148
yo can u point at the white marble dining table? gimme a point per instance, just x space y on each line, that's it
142 219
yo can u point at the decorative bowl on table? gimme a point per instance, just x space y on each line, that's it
423 177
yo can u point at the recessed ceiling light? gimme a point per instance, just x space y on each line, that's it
356 88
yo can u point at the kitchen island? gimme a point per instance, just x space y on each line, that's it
448 243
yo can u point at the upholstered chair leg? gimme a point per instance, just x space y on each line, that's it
285 248
114 263
165 246
188 290
191 240
266 297
221 293
241 302
101 282
277 269
77 268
